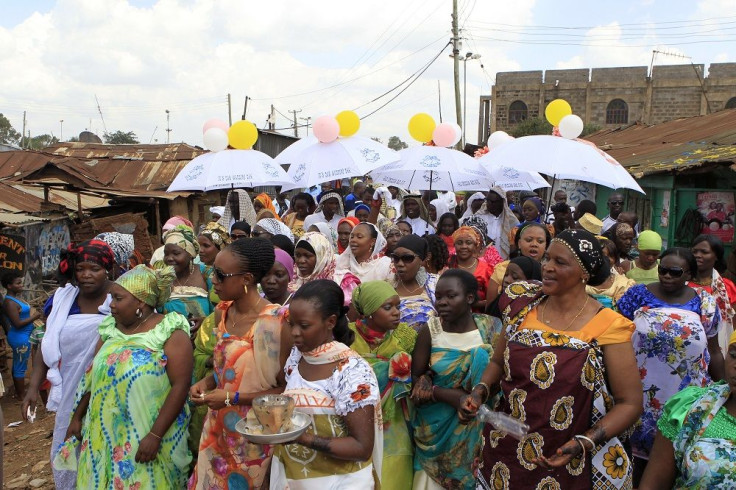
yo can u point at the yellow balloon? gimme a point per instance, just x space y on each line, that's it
242 135
421 127
556 110
349 123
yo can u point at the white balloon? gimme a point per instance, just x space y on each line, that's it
571 126
458 133
215 139
497 138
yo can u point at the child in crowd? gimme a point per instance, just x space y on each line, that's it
644 267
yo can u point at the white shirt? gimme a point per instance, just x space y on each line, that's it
494 225
607 223
320 218
419 227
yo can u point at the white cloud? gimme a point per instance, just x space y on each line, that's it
186 56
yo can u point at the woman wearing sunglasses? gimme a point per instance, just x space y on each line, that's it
675 342
250 353
414 285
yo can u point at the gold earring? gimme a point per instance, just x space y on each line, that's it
245 288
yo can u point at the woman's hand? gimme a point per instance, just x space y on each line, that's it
29 402
210 362
469 405
562 456
194 324
421 392
215 399
147 449
198 391
74 429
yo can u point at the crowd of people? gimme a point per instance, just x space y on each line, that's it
389 318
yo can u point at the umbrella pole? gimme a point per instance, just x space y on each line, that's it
549 197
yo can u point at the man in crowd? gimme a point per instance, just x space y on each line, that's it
615 206
559 197
499 220
356 195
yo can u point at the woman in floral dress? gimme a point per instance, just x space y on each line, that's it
131 415
676 341
248 361
387 345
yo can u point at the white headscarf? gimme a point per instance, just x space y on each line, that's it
376 268
440 205
329 232
275 227
478 196
247 212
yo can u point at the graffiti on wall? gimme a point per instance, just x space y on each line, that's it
44 245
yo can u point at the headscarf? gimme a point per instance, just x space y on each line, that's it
531 268
369 296
95 251
650 240
285 259
330 195
588 252
362 206
324 267
423 212
441 207
153 287
386 226
478 196
121 244
183 236
479 224
353 222
538 204
415 243
217 210
275 227
347 261
468 231
217 234
508 222
176 220
329 232
266 202
247 213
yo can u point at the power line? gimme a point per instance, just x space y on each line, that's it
564 43
685 22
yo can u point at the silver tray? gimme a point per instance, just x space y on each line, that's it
251 429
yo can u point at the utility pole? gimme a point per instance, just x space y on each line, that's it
23 134
168 129
296 125
229 110
245 108
61 130
456 66
308 119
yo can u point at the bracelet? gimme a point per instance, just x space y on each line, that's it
483 385
155 435
434 387
236 398
580 438
227 399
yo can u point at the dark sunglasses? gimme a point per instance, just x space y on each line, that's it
671 271
221 276
620 203
406 258
237 236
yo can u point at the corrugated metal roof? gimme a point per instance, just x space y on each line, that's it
21 219
672 146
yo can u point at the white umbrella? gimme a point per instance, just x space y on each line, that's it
443 169
512 179
228 169
563 159
311 162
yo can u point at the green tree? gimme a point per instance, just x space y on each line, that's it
42 141
590 128
8 135
374 138
395 143
535 125
121 138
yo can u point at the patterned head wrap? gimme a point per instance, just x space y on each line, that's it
266 202
183 236
275 227
94 251
369 296
331 195
479 224
328 232
588 252
622 229
121 244
217 234
153 287
468 231
285 259
387 227
247 213
176 220
324 268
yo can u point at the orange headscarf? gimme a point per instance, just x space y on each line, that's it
353 222
267 204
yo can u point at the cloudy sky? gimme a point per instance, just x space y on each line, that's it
139 58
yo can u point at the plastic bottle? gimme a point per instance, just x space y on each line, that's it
503 422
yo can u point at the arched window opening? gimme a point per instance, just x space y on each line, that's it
617 112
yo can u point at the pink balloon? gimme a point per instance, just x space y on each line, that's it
215 123
326 129
444 135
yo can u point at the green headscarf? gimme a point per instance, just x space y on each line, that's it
184 237
153 287
369 296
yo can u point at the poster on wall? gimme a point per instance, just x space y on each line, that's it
717 209
576 190
46 242
12 253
